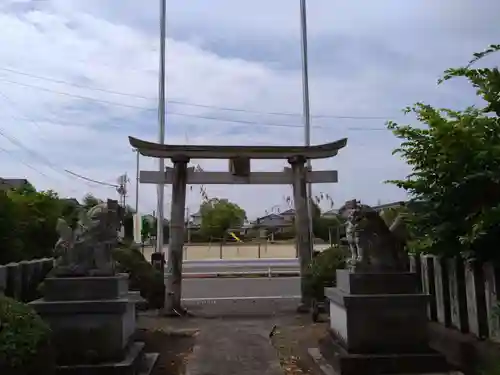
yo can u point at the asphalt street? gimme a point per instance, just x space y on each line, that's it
242 288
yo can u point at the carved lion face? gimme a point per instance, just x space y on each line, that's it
361 215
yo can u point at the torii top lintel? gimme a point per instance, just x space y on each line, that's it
157 150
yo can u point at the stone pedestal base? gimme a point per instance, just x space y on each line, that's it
379 318
129 365
88 331
346 363
92 321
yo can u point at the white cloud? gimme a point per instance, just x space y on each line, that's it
115 47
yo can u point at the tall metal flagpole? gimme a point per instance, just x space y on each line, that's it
137 182
161 120
306 110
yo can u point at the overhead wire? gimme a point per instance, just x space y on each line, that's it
90 179
170 112
4 150
39 156
178 102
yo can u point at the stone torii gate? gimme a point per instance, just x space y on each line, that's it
239 173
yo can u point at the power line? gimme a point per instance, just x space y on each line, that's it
246 122
18 143
90 179
23 162
179 102
46 161
6 98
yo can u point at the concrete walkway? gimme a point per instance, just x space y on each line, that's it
225 348
232 335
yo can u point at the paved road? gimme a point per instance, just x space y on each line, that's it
245 288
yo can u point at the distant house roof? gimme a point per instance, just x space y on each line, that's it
272 220
12 183
388 205
196 214
378 207
288 212
269 216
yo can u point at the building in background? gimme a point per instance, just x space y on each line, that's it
13 183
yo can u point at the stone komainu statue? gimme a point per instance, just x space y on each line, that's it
85 250
374 246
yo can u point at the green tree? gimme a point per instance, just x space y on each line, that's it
89 200
219 215
328 228
26 188
28 223
146 229
455 159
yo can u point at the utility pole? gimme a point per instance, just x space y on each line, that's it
137 182
188 226
307 123
137 216
122 188
161 121
306 107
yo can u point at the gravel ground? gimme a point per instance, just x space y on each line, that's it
292 340
173 349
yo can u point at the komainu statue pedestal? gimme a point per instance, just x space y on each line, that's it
378 325
93 320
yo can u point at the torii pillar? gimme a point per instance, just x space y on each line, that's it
176 241
302 236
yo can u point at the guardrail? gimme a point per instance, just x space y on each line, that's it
240 263
269 273
241 268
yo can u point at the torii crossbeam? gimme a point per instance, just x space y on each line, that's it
239 173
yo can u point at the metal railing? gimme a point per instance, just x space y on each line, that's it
236 263
241 267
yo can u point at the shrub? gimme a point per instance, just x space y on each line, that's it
143 277
197 236
284 236
24 340
321 272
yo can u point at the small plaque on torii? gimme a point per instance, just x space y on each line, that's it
239 167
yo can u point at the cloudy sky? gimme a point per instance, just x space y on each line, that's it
78 77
